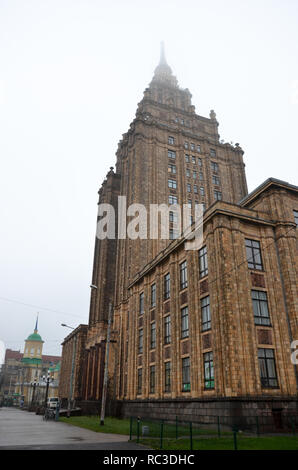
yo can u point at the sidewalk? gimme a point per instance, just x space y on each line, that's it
24 430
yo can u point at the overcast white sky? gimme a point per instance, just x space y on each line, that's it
71 75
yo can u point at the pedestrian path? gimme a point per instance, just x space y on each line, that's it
21 429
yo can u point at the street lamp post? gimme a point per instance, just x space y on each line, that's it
47 379
34 384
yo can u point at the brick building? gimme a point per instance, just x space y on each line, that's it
193 330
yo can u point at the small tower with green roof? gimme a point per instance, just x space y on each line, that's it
33 347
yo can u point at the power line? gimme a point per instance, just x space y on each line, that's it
39 307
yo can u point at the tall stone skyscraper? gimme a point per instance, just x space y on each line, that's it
187 324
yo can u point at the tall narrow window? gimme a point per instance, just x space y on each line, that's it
172 184
187 172
167 324
186 374
153 335
139 385
187 158
141 335
296 217
184 323
188 188
214 167
202 191
203 262
192 146
183 275
217 195
173 200
212 153
193 159
215 180
167 282
171 154
198 148
195 189
260 307
153 295
168 376
194 174
208 370
172 169
267 368
142 307
199 161
253 254
205 313
152 379
171 140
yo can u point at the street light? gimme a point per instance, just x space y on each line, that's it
47 379
72 370
34 384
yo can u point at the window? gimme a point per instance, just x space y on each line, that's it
217 195
152 379
195 189
173 200
267 368
188 172
168 376
189 203
153 336
141 335
172 184
202 191
215 180
174 234
296 217
171 154
167 324
183 275
192 146
205 313
199 161
260 307
171 140
208 371
193 159
198 148
186 145
203 262
139 387
142 310
184 323
173 217
194 174
212 153
188 187
253 254
187 158
153 295
201 176
167 282
172 169
214 167
186 374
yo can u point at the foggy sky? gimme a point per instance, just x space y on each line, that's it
72 73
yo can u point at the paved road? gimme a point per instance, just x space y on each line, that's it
24 430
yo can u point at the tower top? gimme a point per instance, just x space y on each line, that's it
163 72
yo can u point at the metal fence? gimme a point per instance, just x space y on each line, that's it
217 427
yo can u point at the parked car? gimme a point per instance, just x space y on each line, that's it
52 402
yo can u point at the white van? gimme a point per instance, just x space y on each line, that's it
52 402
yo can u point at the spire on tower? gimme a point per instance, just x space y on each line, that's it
36 324
162 54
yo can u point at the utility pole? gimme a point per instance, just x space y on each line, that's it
106 370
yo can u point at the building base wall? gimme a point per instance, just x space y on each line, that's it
270 414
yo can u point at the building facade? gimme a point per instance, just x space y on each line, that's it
24 374
193 330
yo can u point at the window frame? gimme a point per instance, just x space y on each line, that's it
251 259
264 362
184 322
209 383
